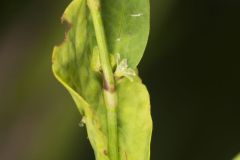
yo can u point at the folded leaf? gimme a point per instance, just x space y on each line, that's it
76 66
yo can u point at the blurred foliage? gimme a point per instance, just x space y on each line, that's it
237 157
191 68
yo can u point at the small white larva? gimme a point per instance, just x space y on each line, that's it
136 15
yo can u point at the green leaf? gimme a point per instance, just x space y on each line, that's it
127 24
76 66
72 67
134 119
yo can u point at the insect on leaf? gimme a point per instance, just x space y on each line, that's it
77 67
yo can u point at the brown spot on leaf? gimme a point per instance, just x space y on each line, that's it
67 23
108 87
68 26
105 152
126 155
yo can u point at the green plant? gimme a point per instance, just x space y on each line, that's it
97 64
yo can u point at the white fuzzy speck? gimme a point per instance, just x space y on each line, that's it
137 15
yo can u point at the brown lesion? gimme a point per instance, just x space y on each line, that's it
108 87
68 26
126 157
105 152
66 22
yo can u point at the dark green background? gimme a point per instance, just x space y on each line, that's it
191 67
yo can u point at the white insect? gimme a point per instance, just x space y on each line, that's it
137 15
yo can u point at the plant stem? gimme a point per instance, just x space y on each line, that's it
110 96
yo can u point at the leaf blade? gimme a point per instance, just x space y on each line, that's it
135 123
127 25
